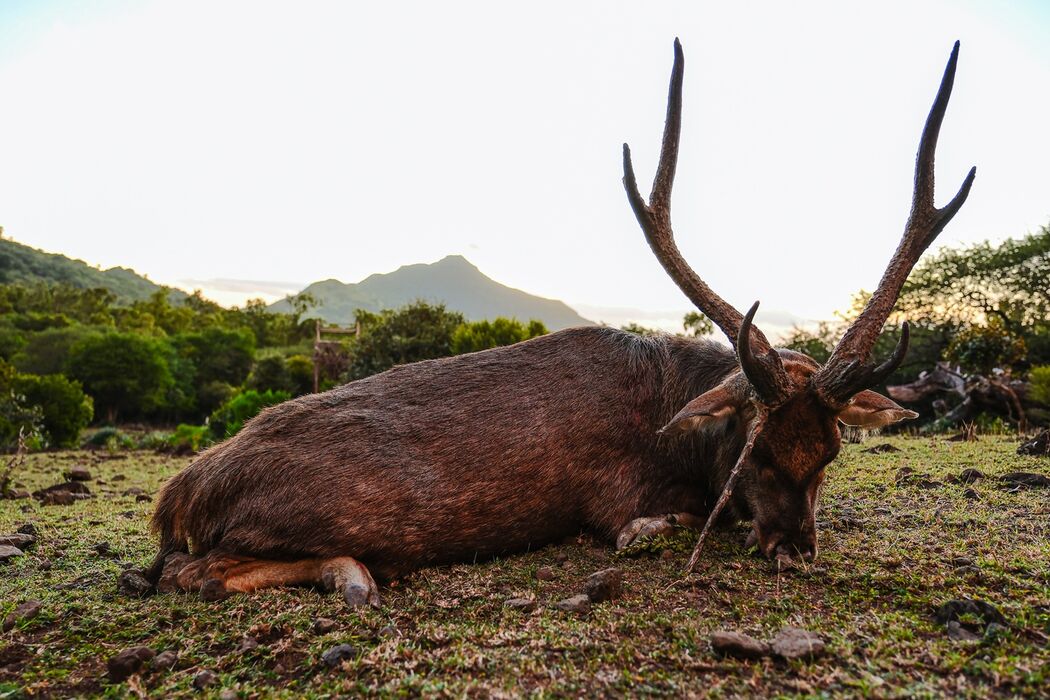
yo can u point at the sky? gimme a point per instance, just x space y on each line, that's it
249 148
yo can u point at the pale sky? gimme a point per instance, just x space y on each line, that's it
282 143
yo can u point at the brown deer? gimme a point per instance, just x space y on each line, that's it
589 428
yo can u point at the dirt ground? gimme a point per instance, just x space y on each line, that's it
893 550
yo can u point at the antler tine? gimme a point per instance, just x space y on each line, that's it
847 370
655 220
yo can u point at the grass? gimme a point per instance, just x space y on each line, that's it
889 556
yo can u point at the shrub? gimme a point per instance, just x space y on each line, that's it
984 348
228 419
1040 378
189 438
300 374
270 374
125 373
482 335
65 408
109 438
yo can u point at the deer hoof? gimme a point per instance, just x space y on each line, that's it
358 594
642 529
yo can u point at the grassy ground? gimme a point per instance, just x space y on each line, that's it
889 556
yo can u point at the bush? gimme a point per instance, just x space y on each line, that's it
126 374
109 438
228 419
418 331
65 408
270 374
984 348
1040 378
189 438
482 335
300 374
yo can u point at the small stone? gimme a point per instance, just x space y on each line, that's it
78 473
58 498
968 572
103 549
1025 480
796 643
994 631
229 694
7 553
45 565
133 491
953 609
26 611
28 529
667 555
579 604
166 660
247 644
132 583
204 679
524 605
544 573
1037 446
881 449
962 561
388 632
324 625
604 585
143 498
128 662
338 654
958 633
737 644
18 539
970 494
561 558
968 476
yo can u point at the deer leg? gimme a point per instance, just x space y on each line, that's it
219 574
644 528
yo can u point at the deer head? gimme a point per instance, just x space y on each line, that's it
789 406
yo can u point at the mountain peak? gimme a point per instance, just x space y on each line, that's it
455 261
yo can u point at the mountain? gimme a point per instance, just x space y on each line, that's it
20 263
452 281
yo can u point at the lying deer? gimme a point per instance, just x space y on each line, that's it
498 451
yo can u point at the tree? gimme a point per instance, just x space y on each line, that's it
482 335
65 409
126 374
696 324
418 331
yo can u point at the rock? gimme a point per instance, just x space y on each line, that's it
737 644
880 449
7 553
57 498
213 590
103 549
1039 446
561 558
166 660
962 561
128 662
968 572
18 539
952 610
26 611
247 644
667 555
205 679
132 583
338 654
229 694
1025 480
45 565
970 494
968 476
579 604
796 643
17 494
323 625
958 633
604 585
78 473
73 487
388 632
28 529
524 605
134 491
994 631
544 573
143 498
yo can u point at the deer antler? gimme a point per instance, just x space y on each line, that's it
762 364
848 370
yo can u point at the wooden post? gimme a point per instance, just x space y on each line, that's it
317 350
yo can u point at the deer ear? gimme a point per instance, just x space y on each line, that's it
711 408
871 410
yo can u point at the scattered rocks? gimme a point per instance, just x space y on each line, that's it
1039 446
26 611
524 605
324 625
134 491
128 662
18 539
7 553
604 585
579 604
545 573
28 529
205 679
971 495
881 449
78 473
739 645
65 494
968 476
166 660
797 643
338 654
958 618
1025 480
132 583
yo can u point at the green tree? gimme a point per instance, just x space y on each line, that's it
418 331
482 335
126 374
696 324
64 407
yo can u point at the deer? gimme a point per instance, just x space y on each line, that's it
487 454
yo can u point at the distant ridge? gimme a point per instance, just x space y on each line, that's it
453 281
20 263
